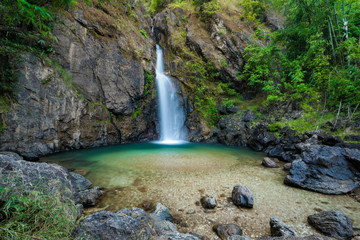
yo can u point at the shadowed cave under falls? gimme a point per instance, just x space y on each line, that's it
177 173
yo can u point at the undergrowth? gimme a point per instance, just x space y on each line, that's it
33 214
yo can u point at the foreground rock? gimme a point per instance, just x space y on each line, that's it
330 170
267 162
332 224
126 224
161 212
52 179
225 231
242 196
280 229
208 202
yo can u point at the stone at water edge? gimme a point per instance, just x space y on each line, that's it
242 196
280 229
267 162
332 224
224 231
89 197
161 212
329 170
208 202
287 166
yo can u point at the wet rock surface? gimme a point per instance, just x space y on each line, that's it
280 229
325 169
224 231
333 224
242 196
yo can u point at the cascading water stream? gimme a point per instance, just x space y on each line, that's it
171 113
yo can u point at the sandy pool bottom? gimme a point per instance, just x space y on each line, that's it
177 176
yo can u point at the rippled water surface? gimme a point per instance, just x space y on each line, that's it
178 175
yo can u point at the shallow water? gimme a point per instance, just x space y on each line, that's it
178 175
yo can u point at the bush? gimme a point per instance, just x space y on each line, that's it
35 213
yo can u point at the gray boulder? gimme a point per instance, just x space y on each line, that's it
332 224
242 196
330 170
124 224
132 224
224 231
161 212
48 178
280 229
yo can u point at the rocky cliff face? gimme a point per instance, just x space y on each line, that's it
201 53
93 91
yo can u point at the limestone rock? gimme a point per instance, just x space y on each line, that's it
280 229
208 202
333 224
325 169
85 96
124 224
324 137
287 166
52 178
267 162
89 197
224 231
242 196
161 212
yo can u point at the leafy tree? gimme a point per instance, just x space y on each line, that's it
316 57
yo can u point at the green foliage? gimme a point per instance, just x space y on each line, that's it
26 26
143 32
310 121
254 10
208 8
149 81
136 113
36 213
312 60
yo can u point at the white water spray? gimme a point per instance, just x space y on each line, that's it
171 113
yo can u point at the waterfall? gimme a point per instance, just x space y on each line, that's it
171 113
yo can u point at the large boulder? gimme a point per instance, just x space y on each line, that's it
242 196
330 170
128 224
161 212
333 224
21 175
124 224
